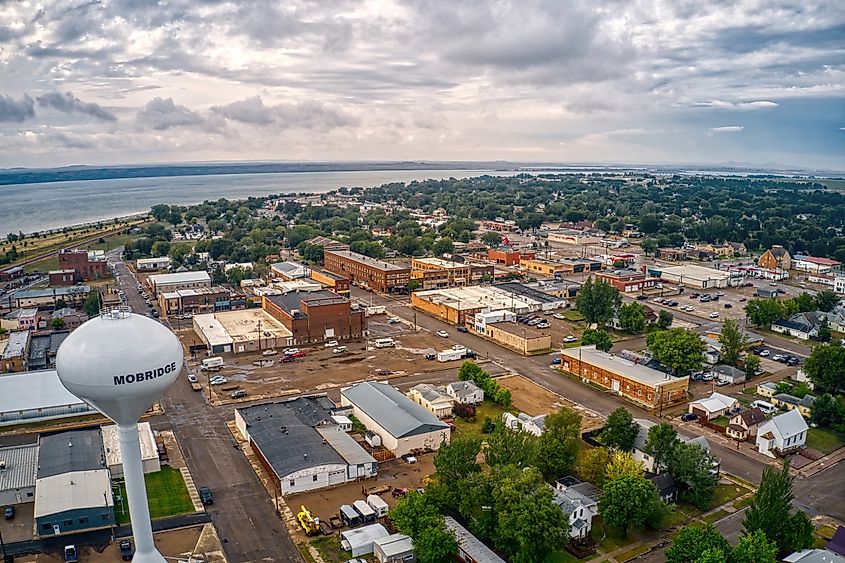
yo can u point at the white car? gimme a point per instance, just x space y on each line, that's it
218 380
764 353
331 344
777 357
192 378
442 334
714 315
559 317
291 351
269 352
570 339
543 325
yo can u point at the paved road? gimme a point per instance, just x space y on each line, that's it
242 512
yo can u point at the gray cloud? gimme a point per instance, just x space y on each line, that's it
68 103
307 115
13 110
163 113
727 129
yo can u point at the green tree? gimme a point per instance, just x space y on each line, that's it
664 319
596 300
660 444
160 248
415 516
693 541
456 460
825 334
733 342
311 253
592 465
751 363
436 545
621 464
691 466
805 302
491 238
443 246
160 211
632 317
754 548
825 366
599 338
91 306
413 285
627 501
57 324
763 312
827 411
826 300
510 447
620 430
649 245
770 512
557 446
679 349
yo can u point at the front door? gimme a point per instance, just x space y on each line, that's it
615 386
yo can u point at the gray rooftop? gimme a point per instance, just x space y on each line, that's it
72 450
525 291
470 544
16 346
53 291
392 410
374 262
21 466
292 301
350 450
395 544
617 364
285 434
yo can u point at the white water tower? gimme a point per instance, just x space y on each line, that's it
119 363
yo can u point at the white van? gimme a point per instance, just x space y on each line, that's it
385 343
764 406
213 364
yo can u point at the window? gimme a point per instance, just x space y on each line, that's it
292 482
105 517
314 478
46 527
67 523
83 520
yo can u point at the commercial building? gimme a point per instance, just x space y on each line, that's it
11 273
300 448
247 330
455 305
88 265
327 243
501 327
194 301
18 469
43 348
73 296
15 355
114 457
470 548
149 264
671 254
642 385
35 396
289 271
61 277
697 277
628 281
508 256
70 317
561 267
378 275
316 316
775 258
163 283
402 425
333 282
569 236
433 273
814 265
20 319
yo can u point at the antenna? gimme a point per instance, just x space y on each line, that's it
120 363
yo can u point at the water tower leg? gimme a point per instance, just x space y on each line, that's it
136 490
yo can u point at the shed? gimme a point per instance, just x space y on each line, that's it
360 540
394 548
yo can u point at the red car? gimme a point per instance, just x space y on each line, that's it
299 354
287 359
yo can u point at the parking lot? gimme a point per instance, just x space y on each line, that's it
730 304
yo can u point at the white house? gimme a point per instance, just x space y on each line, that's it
465 392
783 434
713 406
532 424
432 399
768 388
640 455
802 326
580 501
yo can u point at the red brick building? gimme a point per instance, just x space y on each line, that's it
628 281
378 275
316 316
507 256
87 267
62 277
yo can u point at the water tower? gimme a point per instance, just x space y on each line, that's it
119 363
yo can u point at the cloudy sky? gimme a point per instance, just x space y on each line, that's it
128 81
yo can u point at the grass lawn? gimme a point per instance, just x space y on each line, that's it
112 242
472 429
721 421
726 493
573 316
564 556
714 516
613 541
740 504
329 548
166 494
303 551
824 440
639 550
45 265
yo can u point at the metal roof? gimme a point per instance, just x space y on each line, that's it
16 345
53 291
350 450
617 364
470 544
72 491
34 390
292 301
393 411
787 424
181 277
111 443
21 466
395 544
70 451
360 537
814 556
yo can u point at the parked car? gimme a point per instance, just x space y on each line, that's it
269 352
688 416
126 550
543 325
192 378
298 354
764 353
793 361
331 344
714 315
727 306
339 350
442 334
205 495
556 360
570 339
640 298
393 321
777 357
462 329
218 380
238 394
560 317
410 459
9 512
290 351
287 359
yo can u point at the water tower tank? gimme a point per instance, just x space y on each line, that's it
119 363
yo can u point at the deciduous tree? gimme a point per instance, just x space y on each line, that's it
456 460
691 466
679 349
620 430
664 319
827 300
596 301
598 338
827 411
627 501
733 342
592 466
770 512
754 548
694 541
660 444
621 464
557 446
825 366
763 312
632 317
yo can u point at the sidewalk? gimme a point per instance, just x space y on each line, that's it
821 464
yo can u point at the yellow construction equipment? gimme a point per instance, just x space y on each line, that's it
310 524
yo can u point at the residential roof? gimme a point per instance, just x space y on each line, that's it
70 451
787 424
350 450
778 251
180 277
665 483
16 344
470 544
21 466
21 313
392 410
394 544
72 491
66 312
34 390
619 365
111 443
715 402
814 556
768 385
837 542
753 416
463 388
285 434
728 370
565 503
431 393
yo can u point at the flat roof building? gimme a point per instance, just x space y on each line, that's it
642 385
289 270
315 316
72 502
628 281
35 396
246 330
378 275
453 305
402 424
195 300
160 283
18 473
114 457
436 272
147 264
73 296
69 451
16 353
697 277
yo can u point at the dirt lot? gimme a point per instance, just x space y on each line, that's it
321 369
394 473
533 400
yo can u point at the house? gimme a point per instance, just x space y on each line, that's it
431 398
789 402
802 326
401 424
395 548
783 434
776 258
713 406
667 488
647 460
465 392
579 500
531 424
814 556
837 542
767 389
16 353
728 373
20 319
70 317
470 548
745 424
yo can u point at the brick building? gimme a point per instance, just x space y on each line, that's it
775 258
87 265
508 256
334 282
378 275
315 316
432 273
62 277
639 384
199 300
628 281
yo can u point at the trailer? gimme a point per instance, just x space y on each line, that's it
451 355
365 510
378 505
212 364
